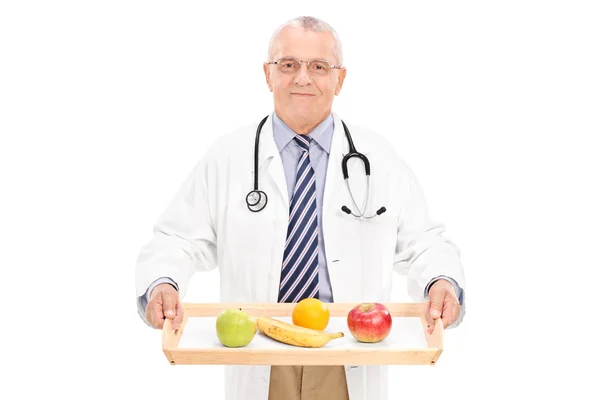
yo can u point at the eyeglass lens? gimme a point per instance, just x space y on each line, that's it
292 66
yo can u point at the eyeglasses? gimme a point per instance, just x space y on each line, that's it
291 66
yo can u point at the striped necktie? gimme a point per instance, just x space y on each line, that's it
300 269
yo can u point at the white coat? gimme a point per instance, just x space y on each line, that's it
208 225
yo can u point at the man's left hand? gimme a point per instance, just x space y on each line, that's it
442 303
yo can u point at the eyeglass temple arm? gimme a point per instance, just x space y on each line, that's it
331 66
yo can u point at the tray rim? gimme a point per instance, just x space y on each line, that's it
320 356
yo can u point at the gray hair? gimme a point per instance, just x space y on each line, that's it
310 24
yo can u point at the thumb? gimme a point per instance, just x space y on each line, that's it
169 303
436 305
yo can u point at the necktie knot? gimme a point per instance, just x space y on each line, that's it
303 142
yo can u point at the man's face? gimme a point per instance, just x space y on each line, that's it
303 95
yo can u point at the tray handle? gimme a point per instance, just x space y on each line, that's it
171 337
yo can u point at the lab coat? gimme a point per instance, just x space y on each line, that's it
208 225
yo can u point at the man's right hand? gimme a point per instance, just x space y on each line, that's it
164 303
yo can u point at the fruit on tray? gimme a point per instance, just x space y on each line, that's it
369 322
311 313
294 335
235 328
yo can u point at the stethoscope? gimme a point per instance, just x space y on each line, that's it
257 200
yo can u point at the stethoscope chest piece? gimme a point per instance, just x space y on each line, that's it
256 200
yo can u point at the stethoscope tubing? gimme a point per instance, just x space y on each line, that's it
258 195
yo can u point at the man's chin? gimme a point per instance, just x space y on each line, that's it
304 112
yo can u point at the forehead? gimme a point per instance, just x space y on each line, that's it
305 45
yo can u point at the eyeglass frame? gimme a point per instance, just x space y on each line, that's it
307 63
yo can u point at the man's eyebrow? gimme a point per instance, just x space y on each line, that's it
295 58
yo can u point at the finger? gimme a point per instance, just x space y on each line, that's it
154 313
149 316
450 312
178 316
169 304
428 319
437 300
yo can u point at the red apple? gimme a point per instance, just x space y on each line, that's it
370 322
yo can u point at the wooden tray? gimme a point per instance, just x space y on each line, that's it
196 342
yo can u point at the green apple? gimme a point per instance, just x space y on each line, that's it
235 328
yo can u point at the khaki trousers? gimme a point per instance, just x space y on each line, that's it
314 382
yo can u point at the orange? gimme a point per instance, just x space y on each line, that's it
311 313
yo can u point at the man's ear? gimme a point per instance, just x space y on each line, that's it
268 76
340 83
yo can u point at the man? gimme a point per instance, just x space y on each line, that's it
301 244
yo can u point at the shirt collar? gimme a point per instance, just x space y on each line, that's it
322 134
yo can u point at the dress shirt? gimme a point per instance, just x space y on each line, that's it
318 154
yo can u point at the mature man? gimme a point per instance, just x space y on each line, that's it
302 244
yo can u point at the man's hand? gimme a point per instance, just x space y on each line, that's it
164 303
442 303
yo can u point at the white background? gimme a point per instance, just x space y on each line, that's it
106 106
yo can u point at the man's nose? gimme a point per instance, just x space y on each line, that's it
303 77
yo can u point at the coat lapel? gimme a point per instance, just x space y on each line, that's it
270 162
272 181
334 179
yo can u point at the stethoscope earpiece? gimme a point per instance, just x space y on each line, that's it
378 212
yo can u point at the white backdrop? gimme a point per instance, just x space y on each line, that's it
106 106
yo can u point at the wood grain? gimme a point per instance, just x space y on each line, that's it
302 356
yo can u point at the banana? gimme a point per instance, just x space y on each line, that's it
294 335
